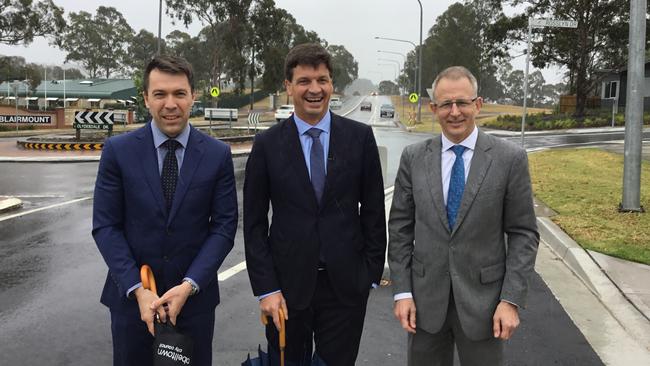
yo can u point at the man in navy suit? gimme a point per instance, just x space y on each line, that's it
164 196
326 242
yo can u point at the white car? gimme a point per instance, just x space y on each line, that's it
335 103
284 112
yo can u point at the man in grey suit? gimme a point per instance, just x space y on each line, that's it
463 237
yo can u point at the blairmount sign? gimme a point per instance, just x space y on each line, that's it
25 119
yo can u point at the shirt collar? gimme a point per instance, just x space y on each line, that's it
324 124
469 142
159 137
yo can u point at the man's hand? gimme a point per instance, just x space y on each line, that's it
404 311
175 298
146 299
505 320
270 306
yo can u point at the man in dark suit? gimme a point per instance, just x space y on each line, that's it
327 238
463 235
164 196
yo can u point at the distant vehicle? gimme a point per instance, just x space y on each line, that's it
335 103
374 94
366 106
387 110
284 112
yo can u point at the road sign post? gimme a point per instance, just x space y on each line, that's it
538 23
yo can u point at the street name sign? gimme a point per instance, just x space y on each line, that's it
557 23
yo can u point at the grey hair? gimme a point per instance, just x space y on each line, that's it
455 73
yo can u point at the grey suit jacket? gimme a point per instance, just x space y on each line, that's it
491 251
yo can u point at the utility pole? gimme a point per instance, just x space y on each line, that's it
420 68
634 109
159 26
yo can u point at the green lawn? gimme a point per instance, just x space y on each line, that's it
584 186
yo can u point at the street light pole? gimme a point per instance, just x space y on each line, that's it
420 68
631 200
403 68
417 70
159 26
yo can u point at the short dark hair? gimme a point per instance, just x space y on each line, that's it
171 65
308 54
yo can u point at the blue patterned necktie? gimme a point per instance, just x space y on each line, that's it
317 163
456 185
169 175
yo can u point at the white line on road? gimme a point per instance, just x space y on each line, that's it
231 271
44 208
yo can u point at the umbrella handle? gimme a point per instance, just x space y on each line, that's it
283 330
148 281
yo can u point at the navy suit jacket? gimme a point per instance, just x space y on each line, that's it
131 226
350 221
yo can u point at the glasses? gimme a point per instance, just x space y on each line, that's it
463 104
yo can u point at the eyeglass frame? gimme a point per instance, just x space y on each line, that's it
447 105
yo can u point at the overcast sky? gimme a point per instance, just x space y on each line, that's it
351 23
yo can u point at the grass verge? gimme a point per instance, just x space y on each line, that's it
584 186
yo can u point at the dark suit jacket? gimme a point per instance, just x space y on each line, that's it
350 222
131 226
475 259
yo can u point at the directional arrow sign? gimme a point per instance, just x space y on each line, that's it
541 23
413 98
214 91
93 120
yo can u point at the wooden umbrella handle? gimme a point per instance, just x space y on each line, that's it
283 333
146 276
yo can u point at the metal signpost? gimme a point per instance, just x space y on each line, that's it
538 23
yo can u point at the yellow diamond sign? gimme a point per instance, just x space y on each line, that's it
413 98
214 91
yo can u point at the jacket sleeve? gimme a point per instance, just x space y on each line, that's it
108 222
401 226
372 211
519 223
223 225
259 261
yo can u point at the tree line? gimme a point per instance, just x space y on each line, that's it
241 43
479 35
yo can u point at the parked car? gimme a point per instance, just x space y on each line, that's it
335 103
366 106
283 112
387 110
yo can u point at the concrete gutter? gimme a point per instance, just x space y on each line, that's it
592 275
10 203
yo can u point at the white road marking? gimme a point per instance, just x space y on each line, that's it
19 214
231 271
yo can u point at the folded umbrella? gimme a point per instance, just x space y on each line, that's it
170 348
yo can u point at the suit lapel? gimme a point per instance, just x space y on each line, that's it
147 152
433 167
480 164
292 150
191 160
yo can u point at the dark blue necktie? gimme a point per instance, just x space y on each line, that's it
317 163
456 185
169 175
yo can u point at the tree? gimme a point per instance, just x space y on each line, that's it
141 49
599 42
345 67
23 20
227 23
387 87
98 43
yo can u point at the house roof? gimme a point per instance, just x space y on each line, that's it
83 89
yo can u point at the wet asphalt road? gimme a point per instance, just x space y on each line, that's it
51 275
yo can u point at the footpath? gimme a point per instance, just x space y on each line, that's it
623 287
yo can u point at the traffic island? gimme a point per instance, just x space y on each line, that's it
10 203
